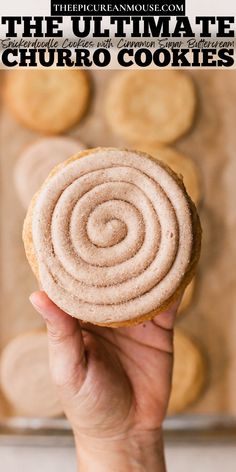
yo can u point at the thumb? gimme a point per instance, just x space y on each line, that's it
65 341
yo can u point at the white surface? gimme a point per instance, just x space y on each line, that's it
204 458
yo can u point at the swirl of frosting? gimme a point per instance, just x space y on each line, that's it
112 232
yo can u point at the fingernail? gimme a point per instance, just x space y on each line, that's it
36 302
39 302
33 298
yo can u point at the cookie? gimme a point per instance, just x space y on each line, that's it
112 236
37 160
187 297
155 106
25 377
47 101
182 165
189 373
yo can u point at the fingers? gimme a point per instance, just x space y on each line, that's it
156 333
66 346
166 319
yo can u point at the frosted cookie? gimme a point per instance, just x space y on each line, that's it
112 236
187 297
37 160
183 165
155 106
189 373
47 101
25 376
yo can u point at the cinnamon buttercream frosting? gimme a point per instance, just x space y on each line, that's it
113 236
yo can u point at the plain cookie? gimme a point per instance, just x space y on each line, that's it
187 297
37 160
155 106
25 377
47 101
189 373
183 165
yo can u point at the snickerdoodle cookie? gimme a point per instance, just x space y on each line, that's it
112 236
47 101
181 164
189 374
152 106
25 377
187 297
37 160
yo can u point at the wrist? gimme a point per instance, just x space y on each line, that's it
140 452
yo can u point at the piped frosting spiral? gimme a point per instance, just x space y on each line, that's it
112 233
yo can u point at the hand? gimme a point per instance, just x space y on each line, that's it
114 385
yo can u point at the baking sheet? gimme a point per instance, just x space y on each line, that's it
212 144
